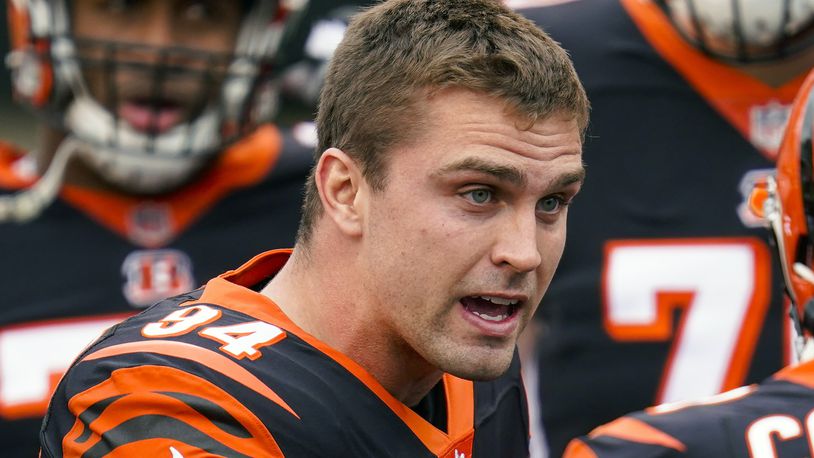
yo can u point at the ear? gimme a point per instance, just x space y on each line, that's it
339 182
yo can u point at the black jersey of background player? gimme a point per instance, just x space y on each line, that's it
222 369
664 289
93 258
771 420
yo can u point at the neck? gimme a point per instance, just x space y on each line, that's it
322 292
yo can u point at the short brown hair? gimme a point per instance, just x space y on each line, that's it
397 49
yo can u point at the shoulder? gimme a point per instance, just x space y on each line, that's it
218 379
645 435
746 421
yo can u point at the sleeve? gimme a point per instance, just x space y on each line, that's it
609 448
108 408
626 437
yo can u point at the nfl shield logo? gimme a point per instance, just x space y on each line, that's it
766 124
150 225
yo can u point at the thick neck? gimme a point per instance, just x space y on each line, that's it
324 295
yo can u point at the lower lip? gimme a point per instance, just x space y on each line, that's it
503 329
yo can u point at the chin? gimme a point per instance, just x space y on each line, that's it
480 365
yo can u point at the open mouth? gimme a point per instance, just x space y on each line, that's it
491 309
151 115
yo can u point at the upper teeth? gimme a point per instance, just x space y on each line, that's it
499 300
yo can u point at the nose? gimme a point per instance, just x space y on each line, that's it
516 243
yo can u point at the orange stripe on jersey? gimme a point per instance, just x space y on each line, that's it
244 164
577 449
631 429
133 411
223 291
801 374
730 91
206 357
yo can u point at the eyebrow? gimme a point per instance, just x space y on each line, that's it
507 173
569 178
499 171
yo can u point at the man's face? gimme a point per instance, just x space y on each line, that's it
150 100
464 239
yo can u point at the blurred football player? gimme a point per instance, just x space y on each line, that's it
666 290
773 419
156 168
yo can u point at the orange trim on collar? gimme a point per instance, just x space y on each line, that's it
229 290
244 164
730 91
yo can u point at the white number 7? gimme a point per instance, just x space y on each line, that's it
723 285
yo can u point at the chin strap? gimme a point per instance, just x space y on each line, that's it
803 345
26 205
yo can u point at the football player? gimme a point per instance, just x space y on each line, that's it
449 149
156 169
667 290
773 419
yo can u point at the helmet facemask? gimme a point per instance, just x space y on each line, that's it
149 117
744 31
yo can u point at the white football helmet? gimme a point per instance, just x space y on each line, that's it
50 68
744 30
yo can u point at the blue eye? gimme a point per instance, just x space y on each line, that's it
479 196
550 204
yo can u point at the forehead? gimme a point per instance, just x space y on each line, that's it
456 124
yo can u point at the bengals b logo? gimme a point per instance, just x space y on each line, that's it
152 275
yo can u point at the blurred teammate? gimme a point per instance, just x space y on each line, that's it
156 170
667 290
449 149
773 419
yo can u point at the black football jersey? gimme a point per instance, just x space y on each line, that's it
92 259
667 289
222 371
770 420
